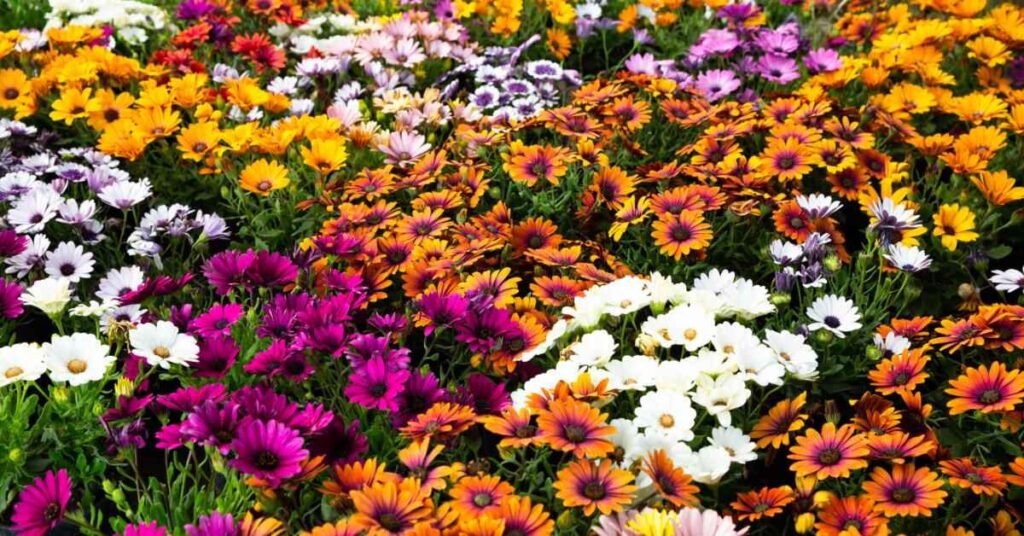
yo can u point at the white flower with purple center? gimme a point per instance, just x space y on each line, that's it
70 261
125 194
33 210
835 314
119 282
818 206
544 70
1008 280
907 258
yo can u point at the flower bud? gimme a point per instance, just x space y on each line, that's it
124 387
60 394
873 352
780 299
804 523
823 336
16 455
565 519
647 344
832 263
832 412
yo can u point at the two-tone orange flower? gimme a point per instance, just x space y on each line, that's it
830 453
905 491
595 486
986 389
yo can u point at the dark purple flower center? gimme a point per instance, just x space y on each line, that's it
52 511
390 522
903 495
267 460
990 396
67 269
829 456
574 433
832 322
378 390
680 234
594 491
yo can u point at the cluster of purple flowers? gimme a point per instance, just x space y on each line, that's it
726 60
802 264
506 88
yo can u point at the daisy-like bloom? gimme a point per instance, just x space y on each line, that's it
385 508
161 344
666 413
404 148
144 529
515 426
72 104
78 358
986 389
324 155
49 295
269 450
21 362
1007 280
998 187
954 224
342 527
523 518
680 234
264 176
903 372
376 385
612 185
41 505
830 453
531 163
765 502
652 522
671 482
906 491
957 334
573 426
442 422
898 447
693 522
71 261
417 458
715 84
476 496
595 486
981 480
786 160
844 513
782 420
907 258
199 139
834 313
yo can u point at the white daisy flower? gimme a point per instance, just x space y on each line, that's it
677 376
21 362
78 358
708 465
593 349
687 325
161 344
793 353
625 295
663 290
49 295
635 372
719 396
834 313
627 438
818 206
785 253
739 446
746 300
892 344
33 210
907 258
666 413
119 282
1007 280
758 364
71 261
125 194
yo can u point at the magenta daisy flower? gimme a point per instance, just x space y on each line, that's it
374 386
268 450
41 504
10 299
218 320
717 83
144 529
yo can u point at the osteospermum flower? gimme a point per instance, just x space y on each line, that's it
986 389
834 313
442 422
389 507
268 450
693 522
903 372
572 426
981 480
830 453
898 447
531 163
782 420
954 224
844 513
475 496
680 234
905 491
671 482
514 426
524 518
161 344
264 176
765 502
595 486
41 505
78 358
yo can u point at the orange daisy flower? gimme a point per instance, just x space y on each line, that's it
556 291
844 513
681 234
786 160
442 422
389 508
986 389
906 491
572 426
671 482
494 284
903 372
612 185
530 163
783 419
765 502
475 496
981 480
897 447
418 457
830 453
514 426
595 487
524 518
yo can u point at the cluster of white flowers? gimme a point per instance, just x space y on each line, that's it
130 20
81 358
696 362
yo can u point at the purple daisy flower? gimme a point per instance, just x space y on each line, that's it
421 391
218 320
10 299
11 243
144 529
212 425
213 524
374 386
268 450
216 356
270 269
339 443
186 399
778 69
823 60
717 83
227 269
